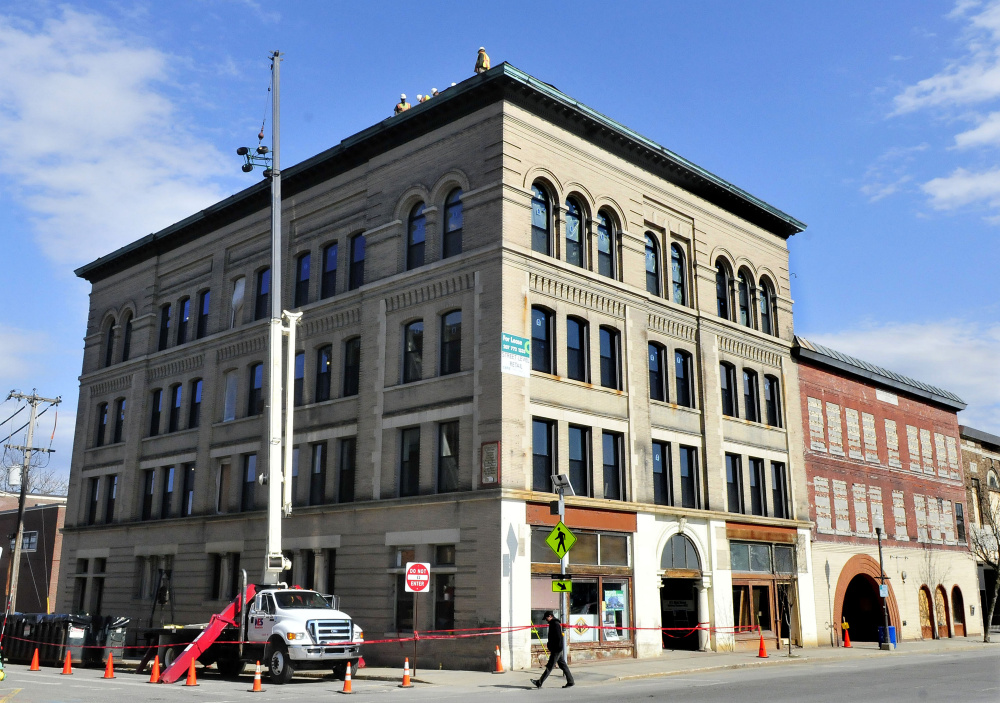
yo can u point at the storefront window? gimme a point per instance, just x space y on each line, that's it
585 549
761 588
614 550
584 611
614 609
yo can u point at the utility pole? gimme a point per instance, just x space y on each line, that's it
34 400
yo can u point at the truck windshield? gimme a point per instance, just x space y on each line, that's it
301 599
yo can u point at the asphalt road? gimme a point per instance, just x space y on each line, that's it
958 676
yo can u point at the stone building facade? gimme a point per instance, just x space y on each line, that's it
883 450
496 285
981 465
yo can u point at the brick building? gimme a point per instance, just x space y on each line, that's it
883 449
496 285
981 465
41 549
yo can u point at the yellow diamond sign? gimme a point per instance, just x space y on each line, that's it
560 539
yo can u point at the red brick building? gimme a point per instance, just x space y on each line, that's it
41 549
882 450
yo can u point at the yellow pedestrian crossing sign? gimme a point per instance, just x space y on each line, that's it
562 586
561 540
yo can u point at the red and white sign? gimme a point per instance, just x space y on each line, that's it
417 577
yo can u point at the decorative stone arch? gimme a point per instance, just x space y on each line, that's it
446 183
722 252
698 547
556 188
958 611
406 202
765 272
583 195
616 210
862 565
744 264
943 626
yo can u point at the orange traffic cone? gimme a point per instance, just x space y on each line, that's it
109 669
154 676
499 666
347 679
192 679
406 675
34 662
256 681
67 665
762 651
847 638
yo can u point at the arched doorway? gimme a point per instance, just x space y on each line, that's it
958 611
941 612
679 594
863 609
926 627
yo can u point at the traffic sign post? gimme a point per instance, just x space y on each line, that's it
562 586
416 579
561 540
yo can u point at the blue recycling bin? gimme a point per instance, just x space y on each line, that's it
892 635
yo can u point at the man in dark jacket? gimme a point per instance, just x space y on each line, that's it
557 654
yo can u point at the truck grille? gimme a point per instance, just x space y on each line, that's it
327 631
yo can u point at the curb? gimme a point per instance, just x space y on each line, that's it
706 669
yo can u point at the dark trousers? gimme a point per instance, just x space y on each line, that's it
556 658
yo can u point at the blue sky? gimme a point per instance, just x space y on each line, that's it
878 124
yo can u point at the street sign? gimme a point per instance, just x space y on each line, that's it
562 586
417 577
561 540
883 591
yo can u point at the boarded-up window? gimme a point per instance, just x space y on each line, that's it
862 526
927 452
933 520
816 440
920 512
841 510
871 444
952 457
942 455
913 444
899 515
836 434
821 494
892 444
947 522
853 433
875 501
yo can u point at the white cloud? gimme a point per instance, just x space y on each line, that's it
964 187
888 173
19 354
93 146
986 133
955 355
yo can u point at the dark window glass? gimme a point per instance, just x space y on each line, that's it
678 274
296 495
255 399
222 497
451 342
727 378
543 445
415 238
541 340
167 495
262 303
302 280
663 493
574 234
682 372
110 498
119 419
94 500
164 327
356 274
606 246
453 221
680 554
352 366
248 492
300 377
751 396
734 483
444 601
404 606
324 365
611 371
155 410
772 401
239 298
187 492
183 318
176 404
409 462
348 451
328 287
204 302
652 266
102 424
577 349
745 291
540 223
758 492
722 289
148 487
109 345
127 340
689 483
768 314
612 446
413 351
779 490
447 478
579 459
960 521
317 475
657 372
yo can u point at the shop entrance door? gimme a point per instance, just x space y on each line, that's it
926 629
679 613
862 608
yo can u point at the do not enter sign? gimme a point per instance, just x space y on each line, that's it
417 577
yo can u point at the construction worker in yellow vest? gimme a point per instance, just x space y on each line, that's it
402 105
422 98
482 61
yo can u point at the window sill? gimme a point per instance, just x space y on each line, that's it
177 433
425 381
675 406
579 384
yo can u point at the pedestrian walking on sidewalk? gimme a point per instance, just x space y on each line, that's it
557 652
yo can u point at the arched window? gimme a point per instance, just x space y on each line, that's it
746 294
607 246
683 376
751 395
574 233
415 236
772 401
540 222
413 351
768 311
109 344
577 349
542 340
678 274
679 553
127 337
453 221
723 281
652 265
611 358
992 482
727 379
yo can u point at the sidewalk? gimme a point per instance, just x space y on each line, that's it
675 663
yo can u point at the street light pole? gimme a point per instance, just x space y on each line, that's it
885 644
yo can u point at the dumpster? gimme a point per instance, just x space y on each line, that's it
87 638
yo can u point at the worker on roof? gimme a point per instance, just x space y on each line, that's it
422 98
482 61
434 93
402 105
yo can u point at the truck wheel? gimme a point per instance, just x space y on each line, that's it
229 667
279 665
169 655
